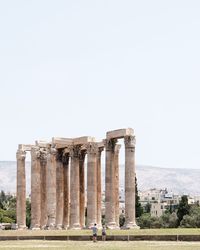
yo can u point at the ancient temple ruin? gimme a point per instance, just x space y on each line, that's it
58 192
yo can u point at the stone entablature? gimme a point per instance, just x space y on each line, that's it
58 190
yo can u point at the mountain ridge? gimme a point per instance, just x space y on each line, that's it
178 180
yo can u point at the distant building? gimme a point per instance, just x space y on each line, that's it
158 209
159 199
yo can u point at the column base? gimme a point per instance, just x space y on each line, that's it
131 225
112 225
65 227
21 227
75 226
50 227
59 227
35 228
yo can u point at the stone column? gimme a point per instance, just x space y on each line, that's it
51 188
35 188
92 150
43 163
99 224
130 182
116 163
74 188
82 187
21 190
66 191
59 191
110 184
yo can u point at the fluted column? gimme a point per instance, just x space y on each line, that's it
82 187
99 191
35 188
130 182
51 188
110 184
43 163
59 191
21 190
65 160
74 188
116 162
92 150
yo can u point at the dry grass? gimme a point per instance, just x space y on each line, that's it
80 245
185 231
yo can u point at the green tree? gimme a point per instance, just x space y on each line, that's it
183 208
2 198
138 208
192 220
169 220
121 219
28 213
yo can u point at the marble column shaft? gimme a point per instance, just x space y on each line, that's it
21 190
35 188
74 188
110 184
59 191
99 191
51 188
43 163
92 151
66 191
116 162
130 182
82 187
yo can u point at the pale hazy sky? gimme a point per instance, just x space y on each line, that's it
73 68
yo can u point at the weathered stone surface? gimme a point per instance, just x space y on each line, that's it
119 133
116 163
83 140
59 142
43 163
35 188
99 191
51 188
59 201
82 187
42 144
65 161
59 192
130 221
25 147
74 188
21 189
92 151
110 184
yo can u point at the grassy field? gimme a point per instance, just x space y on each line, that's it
173 231
72 245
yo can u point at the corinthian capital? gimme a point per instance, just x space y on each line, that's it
110 144
74 151
43 155
129 141
21 155
53 151
35 153
92 148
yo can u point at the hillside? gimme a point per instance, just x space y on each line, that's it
178 180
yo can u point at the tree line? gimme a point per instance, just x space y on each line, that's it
184 216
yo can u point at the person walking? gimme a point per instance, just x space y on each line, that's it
103 233
94 232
